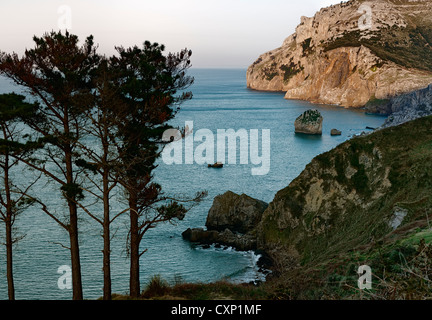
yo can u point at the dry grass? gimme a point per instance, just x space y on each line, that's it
160 289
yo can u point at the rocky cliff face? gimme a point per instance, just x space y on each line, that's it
231 221
353 195
404 108
238 213
342 57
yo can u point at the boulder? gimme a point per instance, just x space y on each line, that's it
335 132
200 235
238 213
227 238
310 122
232 221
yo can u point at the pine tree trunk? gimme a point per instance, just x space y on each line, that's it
9 236
106 239
9 263
77 293
134 249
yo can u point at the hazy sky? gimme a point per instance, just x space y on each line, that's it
221 33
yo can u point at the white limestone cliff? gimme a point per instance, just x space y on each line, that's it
340 57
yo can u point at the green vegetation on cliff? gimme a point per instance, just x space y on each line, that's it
290 71
400 264
410 47
363 202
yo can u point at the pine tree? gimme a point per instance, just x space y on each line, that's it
14 199
57 73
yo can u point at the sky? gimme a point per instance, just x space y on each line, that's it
220 33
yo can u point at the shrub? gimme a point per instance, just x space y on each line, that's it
156 287
291 70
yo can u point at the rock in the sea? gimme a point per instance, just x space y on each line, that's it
200 235
335 132
231 221
239 241
310 122
238 213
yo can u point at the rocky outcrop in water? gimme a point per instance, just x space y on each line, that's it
231 221
238 213
335 132
242 242
338 57
310 122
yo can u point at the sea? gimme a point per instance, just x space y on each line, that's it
221 101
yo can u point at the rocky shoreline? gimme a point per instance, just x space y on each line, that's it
404 108
226 238
232 221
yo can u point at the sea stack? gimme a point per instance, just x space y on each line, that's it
310 122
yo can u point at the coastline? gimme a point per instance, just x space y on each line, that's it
218 95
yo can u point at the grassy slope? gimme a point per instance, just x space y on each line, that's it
357 234
405 161
401 267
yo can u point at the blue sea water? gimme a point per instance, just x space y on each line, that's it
221 101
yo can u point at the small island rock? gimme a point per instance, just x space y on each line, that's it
335 132
310 122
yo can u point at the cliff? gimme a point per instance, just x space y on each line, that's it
366 189
340 57
404 108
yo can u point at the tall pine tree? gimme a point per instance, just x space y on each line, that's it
57 72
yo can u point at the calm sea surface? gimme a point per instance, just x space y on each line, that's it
221 101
